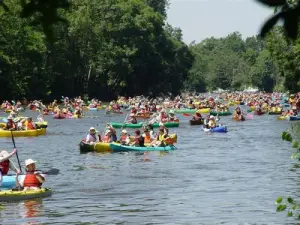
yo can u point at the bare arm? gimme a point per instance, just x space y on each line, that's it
8 156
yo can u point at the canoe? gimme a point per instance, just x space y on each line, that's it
196 122
204 110
10 195
140 125
222 129
293 118
123 148
23 133
97 147
214 113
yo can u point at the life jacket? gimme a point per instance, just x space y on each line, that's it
106 139
4 167
10 125
123 137
30 125
147 138
93 137
31 180
161 137
134 111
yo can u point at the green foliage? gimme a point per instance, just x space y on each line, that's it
107 48
232 63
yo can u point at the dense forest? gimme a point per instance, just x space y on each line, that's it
125 47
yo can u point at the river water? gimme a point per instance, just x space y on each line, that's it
231 178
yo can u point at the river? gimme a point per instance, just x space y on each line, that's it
231 178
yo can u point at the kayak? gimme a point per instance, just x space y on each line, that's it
196 122
275 113
221 129
293 118
92 109
23 133
282 117
143 115
124 148
204 110
97 147
140 125
214 113
10 195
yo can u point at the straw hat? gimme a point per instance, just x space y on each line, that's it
29 162
124 132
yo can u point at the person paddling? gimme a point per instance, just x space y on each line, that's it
6 164
91 138
32 179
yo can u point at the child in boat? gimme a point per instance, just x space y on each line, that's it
124 138
32 179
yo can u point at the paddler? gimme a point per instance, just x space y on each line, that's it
29 124
172 116
111 132
132 119
32 179
10 125
6 164
148 138
139 139
124 138
197 116
212 122
92 138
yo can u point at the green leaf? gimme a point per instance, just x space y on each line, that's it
279 200
294 207
269 24
280 208
294 155
289 214
290 200
295 144
283 135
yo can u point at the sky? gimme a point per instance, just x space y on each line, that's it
200 19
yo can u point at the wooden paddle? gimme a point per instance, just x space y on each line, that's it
13 140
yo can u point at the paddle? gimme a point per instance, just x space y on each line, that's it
52 171
13 140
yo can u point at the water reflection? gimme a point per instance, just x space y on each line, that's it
31 208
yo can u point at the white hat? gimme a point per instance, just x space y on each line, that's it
124 131
92 128
29 162
211 117
161 124
4 154
131 114
172 112
107 131
9 117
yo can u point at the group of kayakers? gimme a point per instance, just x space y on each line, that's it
19 123
148 136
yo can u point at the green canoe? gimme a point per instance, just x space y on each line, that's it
214 113
125 148
140 125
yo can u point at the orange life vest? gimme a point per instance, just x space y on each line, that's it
31 180
30 126
147 139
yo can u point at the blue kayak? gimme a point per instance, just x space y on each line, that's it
293 118
124 148
221 129
9 182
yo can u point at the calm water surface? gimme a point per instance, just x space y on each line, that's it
231 178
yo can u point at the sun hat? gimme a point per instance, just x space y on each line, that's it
29 162
9 117
131 114
4 154
124 131
211 117
107 132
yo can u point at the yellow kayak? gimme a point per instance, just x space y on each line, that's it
11 195
23 133
282 117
